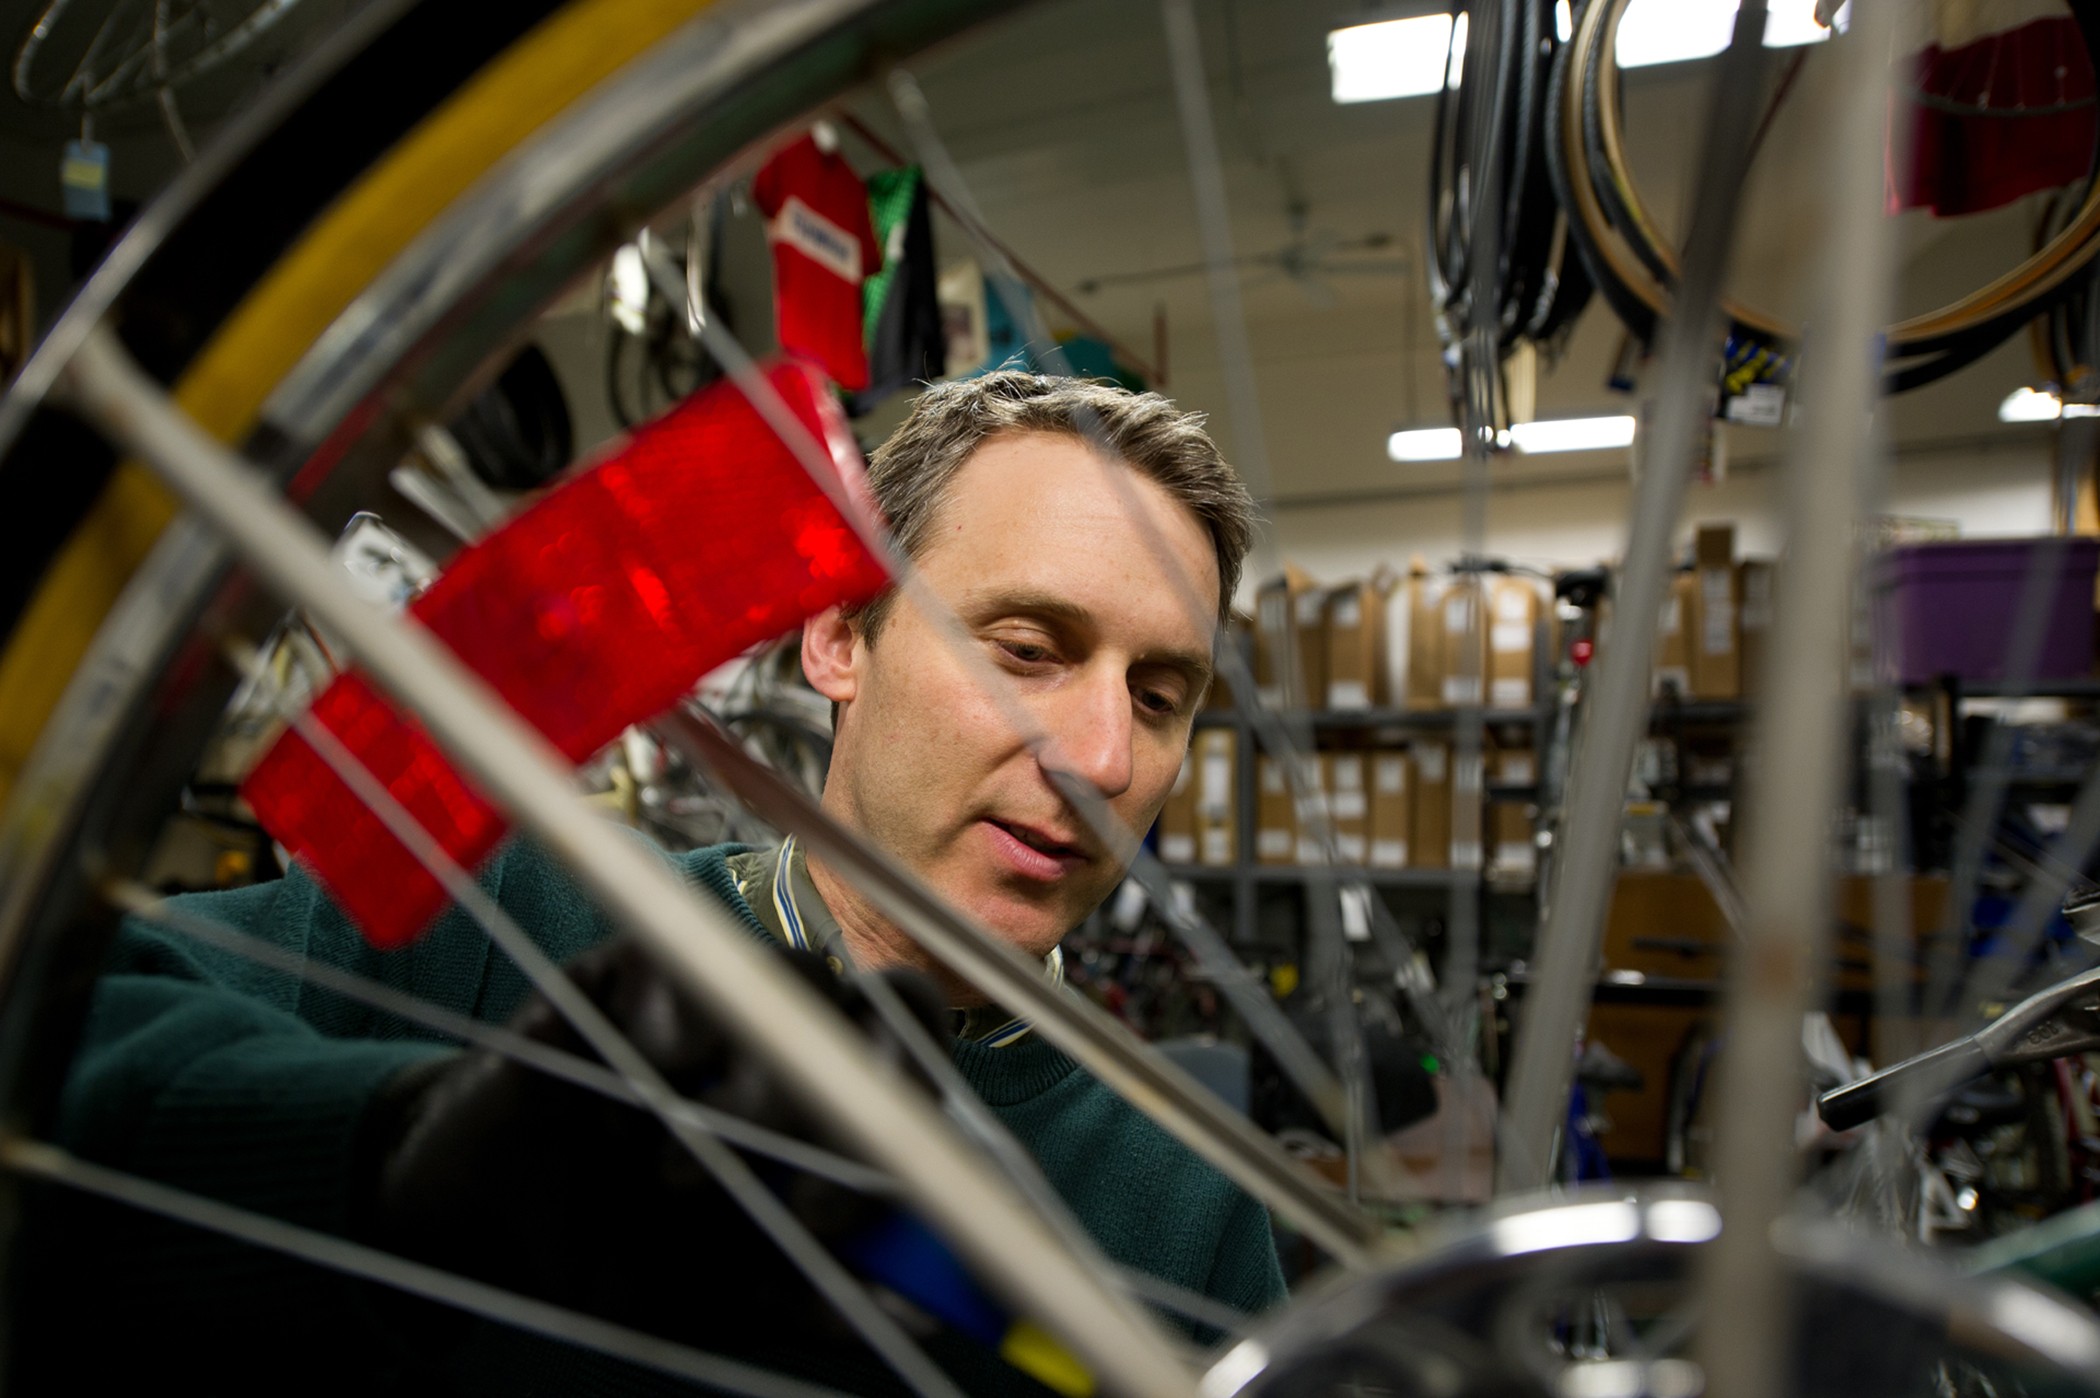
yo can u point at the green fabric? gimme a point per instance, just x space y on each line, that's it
202 1069
890 194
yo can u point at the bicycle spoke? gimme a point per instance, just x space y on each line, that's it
142 902
1800 741
1609 731
739 982
764 1208
41 1161
1224 1137
1079 795
1284 738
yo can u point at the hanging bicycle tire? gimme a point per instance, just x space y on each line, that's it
1635 265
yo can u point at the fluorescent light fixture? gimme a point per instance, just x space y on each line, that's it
1426 444
1674 31
1572 434
2030 405
1395 58
2040 405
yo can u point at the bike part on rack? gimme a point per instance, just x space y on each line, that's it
1593 1296
2065 1018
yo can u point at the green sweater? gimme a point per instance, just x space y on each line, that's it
202 1069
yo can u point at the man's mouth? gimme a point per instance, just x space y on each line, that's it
1041 840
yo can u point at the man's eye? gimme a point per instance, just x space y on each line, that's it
1159 701
1027 652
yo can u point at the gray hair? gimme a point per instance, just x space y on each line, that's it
911 472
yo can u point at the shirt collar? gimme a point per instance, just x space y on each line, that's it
777 885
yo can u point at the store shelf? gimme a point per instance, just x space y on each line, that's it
1284 874
1998 689
1333 720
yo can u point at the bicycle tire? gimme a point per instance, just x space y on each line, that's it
1638 266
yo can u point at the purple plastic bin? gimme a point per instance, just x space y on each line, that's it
1952 607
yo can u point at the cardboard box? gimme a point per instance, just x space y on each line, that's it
1217 819
1753 619
1355 645
1714 643
1464 642
1275 821
1278 666
1420 656
1177 818
1391 816
1468 811
1673 660
1430 846
1309 609
1513 857
1311 810
1348 803
1512 639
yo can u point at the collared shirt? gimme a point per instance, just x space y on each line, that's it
776 883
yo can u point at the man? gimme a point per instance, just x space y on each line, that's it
1071 575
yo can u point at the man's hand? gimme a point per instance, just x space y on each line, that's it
485 1167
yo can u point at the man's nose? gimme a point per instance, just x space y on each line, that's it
1091 734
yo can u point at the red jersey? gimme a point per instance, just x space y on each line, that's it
823 245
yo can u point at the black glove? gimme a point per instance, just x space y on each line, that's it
484 1167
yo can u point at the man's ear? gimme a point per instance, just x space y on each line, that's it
831 655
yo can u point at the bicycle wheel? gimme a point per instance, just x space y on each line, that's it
365 310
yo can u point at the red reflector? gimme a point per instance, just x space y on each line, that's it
1581 651
698 537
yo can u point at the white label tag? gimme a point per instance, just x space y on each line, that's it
1759 405
1458 612
1350 847
1518 769
1309 607
1214 793
1348 694
1466 774
1309 852
1272 782
1349 805
1513 857
1390 774
1671 619
1388 854
817 238
1510 638
1429 762
1356 913
1273 842
1513 604
1217 847
1347 612
1178 848
1465 854
1510 694
1461 689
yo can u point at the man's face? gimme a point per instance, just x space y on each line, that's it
1067 597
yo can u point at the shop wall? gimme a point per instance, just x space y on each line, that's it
1995 490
